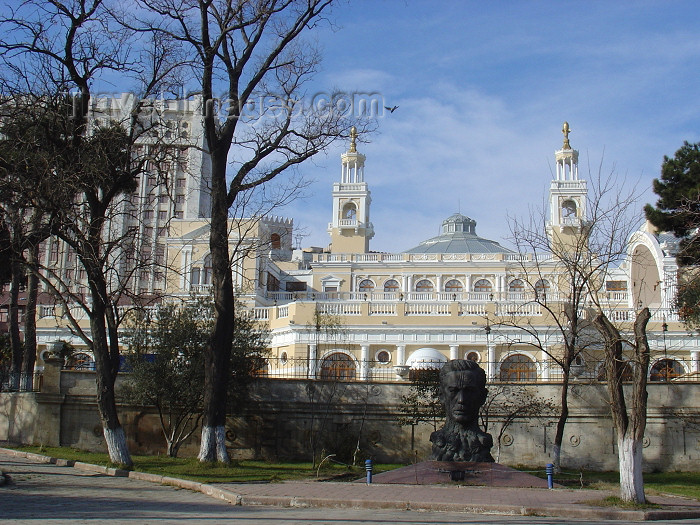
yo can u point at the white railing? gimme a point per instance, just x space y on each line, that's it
282 311
47 311
518 309
382 309
259 313
427 308
341 308
478 309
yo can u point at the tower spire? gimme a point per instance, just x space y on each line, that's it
566 130
353 138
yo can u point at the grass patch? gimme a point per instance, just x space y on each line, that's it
685 484
614 501
236 472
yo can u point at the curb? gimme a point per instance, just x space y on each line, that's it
570 511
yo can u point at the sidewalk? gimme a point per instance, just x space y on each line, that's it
510 501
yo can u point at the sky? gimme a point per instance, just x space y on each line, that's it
483 89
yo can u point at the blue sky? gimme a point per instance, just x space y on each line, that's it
483 89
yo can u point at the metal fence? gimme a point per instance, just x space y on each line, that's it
13 382
515 368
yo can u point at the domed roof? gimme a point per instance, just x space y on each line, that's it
458 236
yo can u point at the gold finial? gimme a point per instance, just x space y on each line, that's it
565 130
353 137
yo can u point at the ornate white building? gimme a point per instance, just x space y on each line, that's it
456 295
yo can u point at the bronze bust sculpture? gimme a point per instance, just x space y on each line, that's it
462 391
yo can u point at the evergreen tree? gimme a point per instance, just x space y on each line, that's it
678 211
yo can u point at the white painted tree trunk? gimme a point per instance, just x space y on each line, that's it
213 444
116 446
630 460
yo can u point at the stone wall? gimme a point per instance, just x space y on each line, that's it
290 419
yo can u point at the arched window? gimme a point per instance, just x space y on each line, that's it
366 285
542 288
483 285
338 366
275 242
391 286
80 361
454 286
424 285
516 286
518 367
666 370
568 208
350 211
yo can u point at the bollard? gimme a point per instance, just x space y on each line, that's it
549 468
368 468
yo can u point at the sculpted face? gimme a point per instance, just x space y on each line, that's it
464 392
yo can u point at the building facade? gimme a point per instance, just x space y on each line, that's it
346 312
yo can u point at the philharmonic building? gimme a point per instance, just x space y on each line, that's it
350 311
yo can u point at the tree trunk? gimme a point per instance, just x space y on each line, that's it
29 357
629 428
106 374
629 452
217 357
561 422
15 340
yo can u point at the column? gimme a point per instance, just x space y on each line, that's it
400 354
454 352
400 369
491 361
364 362
312 361
694 361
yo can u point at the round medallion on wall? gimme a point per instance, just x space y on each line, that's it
473 356
97 431
575 440
230 436
375 437
646 442
507 440
375 390
283 358
383 357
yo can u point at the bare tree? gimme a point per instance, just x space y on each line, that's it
630 427
563 272
252 52
56 47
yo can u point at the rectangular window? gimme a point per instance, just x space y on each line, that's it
163 199
178 214
148 214
181 183
162 215
616 286
273 284
295 286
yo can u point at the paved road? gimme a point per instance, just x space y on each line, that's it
55 494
